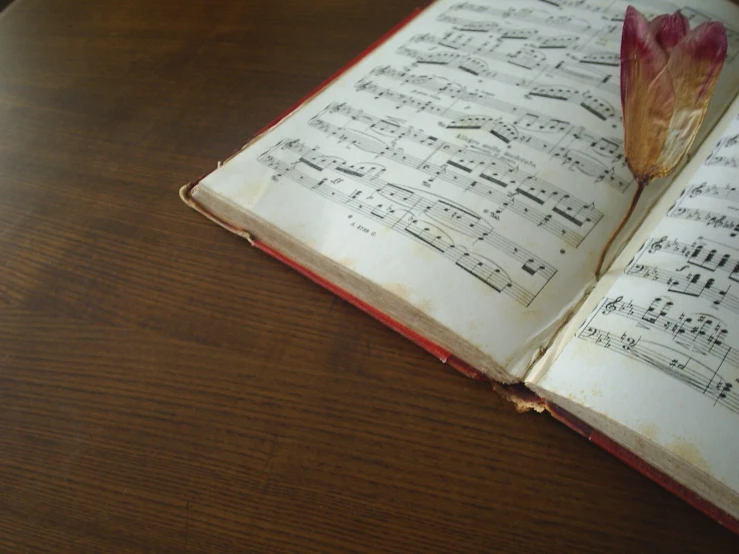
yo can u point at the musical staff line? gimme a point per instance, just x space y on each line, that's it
706 254
681 314
568 218
726 153
700 332
526 15
420 216
460 219
670 361
715 220
687 282
610 13
583 68
600 108
592 104
608 148
728 192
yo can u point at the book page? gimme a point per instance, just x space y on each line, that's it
659 351
472 165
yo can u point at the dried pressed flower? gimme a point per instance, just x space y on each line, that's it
668 73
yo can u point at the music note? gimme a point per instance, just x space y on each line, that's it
402 209
469 169
690 348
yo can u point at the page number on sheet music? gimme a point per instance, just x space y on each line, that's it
361 228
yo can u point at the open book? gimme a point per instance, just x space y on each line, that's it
459 182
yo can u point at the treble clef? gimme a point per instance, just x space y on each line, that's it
656 245
697 191
612 306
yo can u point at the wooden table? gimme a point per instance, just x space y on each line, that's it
166 388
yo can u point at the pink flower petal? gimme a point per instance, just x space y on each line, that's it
694 66
669 29
706 47
647 98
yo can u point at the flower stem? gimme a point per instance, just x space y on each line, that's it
640 186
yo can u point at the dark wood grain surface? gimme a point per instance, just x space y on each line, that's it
166 388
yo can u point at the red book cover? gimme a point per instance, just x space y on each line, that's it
522 397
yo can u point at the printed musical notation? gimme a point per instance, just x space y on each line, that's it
689 282
484 174
527 15
466 16
456 232
493 138
552 52
727 192
588 101
702 265
572 146
691 347
726 153
682 312
712 206
441 85
703 253
710 219
583 67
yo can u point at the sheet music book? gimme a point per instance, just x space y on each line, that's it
460 181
